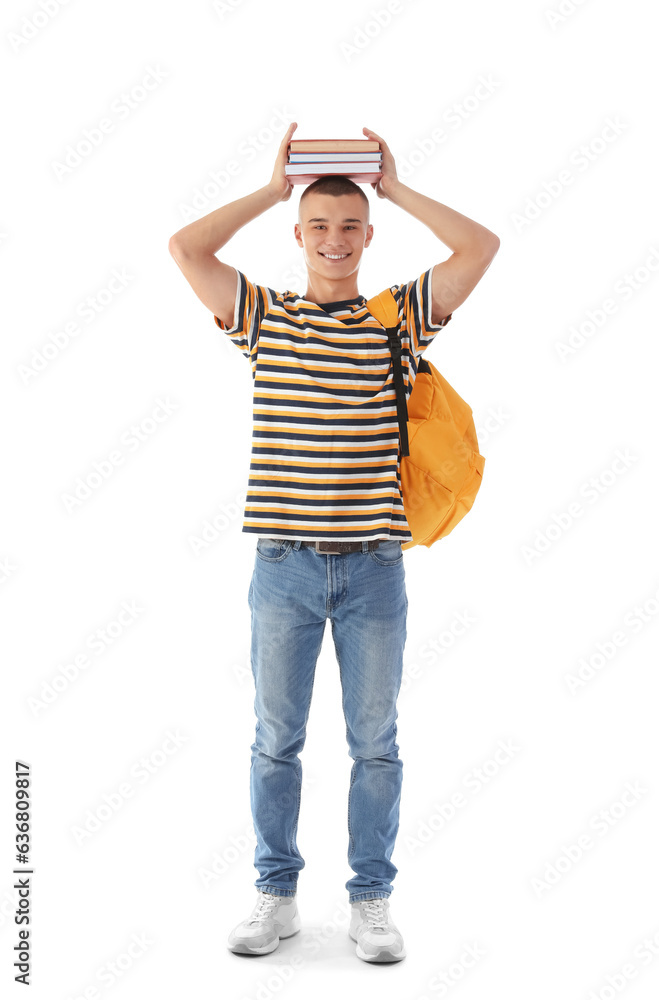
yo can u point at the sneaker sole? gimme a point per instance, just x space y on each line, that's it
242 947
382 956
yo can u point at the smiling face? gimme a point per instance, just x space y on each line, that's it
333 232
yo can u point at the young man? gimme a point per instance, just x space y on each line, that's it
324 500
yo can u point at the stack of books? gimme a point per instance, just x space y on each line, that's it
358 159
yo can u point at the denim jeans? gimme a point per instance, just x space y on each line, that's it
293 591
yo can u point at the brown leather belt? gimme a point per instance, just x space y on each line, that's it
336 548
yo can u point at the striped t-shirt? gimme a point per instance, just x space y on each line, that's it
324 462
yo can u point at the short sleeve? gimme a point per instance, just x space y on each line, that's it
252 303
415 311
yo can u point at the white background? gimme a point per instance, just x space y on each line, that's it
551 429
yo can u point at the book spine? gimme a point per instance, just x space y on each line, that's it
370 178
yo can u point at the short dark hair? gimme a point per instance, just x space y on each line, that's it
336 185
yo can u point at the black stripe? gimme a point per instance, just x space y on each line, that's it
258 451
323 421
309 388
361 363
328 439
372 404
256 481
278 502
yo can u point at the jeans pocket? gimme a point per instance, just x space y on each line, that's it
388 553
273 549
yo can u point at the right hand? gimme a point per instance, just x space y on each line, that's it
280 183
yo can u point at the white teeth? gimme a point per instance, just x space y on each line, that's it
335 256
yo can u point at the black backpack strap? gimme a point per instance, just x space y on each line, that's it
399 385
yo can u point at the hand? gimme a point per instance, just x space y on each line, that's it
389 175
279 182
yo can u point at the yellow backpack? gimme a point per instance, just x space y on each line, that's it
440 466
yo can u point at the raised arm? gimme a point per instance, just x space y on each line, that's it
194 246
474 247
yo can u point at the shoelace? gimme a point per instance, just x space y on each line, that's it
375 914
264 908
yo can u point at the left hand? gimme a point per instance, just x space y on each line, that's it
389 176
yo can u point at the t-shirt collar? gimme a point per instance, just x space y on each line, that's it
358 300
341 304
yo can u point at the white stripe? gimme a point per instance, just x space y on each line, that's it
277 506
326 425
350 383
330 364
294 394
270 441
295 460
383 411
338 495
309 326
311 525
304 475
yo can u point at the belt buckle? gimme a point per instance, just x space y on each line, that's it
329 551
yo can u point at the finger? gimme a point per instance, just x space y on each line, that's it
282 155
291 128
374 135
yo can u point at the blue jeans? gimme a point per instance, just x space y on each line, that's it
294 589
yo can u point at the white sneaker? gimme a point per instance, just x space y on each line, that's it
378 939
272 918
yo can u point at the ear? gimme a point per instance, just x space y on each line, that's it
369 235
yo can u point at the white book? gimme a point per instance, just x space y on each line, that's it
332 168
334 157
